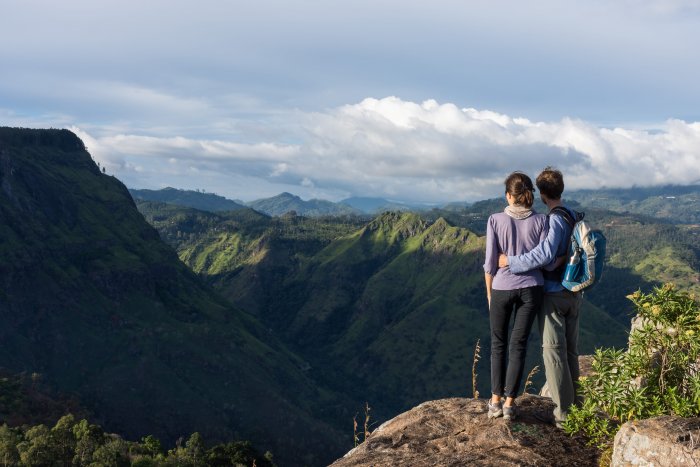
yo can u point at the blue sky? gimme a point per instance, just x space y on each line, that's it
417 101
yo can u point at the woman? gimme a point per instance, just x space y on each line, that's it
516 230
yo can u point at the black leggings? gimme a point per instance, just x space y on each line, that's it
524 305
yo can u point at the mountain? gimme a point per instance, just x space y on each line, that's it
376 205
674 203
642 250
192 199
93 301
286 203
389 310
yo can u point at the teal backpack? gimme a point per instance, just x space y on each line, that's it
586 256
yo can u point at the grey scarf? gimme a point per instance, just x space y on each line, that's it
518 212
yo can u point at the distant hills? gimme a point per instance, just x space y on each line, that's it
390 308
677 204
188 198
673 203
286 203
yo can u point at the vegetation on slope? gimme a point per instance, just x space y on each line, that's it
97 304
287 203
188 198
391 309
80 443
656 375
673 203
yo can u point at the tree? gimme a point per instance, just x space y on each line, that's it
152 445
112 454
195 449
88 438
38 447
64 439
9 438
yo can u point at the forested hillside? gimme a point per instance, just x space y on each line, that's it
286 202
391 309
94 302
673 203
193 199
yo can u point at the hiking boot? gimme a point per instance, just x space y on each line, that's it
509 412
495 410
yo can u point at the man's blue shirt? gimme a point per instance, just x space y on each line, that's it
543 255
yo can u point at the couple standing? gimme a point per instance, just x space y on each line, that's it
523 269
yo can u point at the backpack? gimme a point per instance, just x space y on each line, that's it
586 255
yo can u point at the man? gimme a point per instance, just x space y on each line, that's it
559 317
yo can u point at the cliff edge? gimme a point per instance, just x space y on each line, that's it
457 432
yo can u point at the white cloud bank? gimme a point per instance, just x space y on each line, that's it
404 150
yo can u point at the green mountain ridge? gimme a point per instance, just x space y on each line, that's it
286 202
96 303
673 203
188 198
391 309
338 310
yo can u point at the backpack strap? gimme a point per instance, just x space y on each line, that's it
563 212
556 274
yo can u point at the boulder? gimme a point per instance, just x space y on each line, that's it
457 432
660 441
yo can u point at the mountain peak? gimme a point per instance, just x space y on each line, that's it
285 202
409 223
287 195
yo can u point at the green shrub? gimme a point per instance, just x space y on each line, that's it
659 373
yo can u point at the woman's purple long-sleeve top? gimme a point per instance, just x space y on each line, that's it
505 234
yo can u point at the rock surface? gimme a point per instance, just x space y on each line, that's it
457 432
660 441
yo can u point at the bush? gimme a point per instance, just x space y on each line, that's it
659 373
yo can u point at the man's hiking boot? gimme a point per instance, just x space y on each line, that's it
509 412
495 410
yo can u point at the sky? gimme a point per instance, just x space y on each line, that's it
411 101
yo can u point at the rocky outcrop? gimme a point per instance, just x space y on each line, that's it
661 441
457 432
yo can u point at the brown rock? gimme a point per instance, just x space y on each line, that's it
457 432
660 441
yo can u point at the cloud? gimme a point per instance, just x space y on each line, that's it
413 151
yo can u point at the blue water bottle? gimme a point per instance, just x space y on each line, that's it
572 268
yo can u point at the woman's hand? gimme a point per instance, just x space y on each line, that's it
502 261
488 279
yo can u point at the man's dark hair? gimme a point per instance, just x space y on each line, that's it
550 182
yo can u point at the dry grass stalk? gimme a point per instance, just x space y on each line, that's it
355 434
528 380
477 355
367 409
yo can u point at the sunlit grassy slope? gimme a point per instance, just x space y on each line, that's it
391 309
